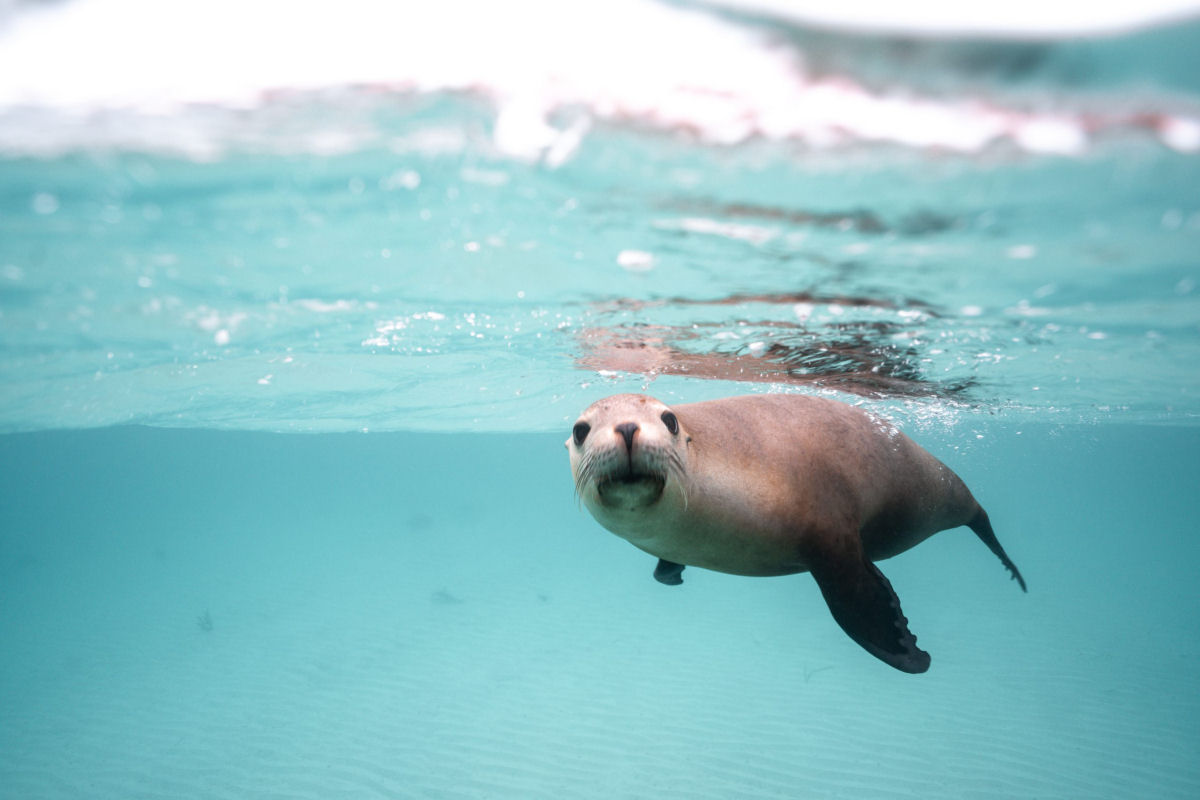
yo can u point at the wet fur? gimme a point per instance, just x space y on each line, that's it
773 485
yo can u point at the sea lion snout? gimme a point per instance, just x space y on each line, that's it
627 431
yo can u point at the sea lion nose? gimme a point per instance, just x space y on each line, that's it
627 430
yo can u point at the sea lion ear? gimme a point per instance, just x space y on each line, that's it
866 607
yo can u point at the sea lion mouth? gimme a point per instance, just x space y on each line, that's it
632 479
641 488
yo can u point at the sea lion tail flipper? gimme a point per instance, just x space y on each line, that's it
668 572
864 604
983 529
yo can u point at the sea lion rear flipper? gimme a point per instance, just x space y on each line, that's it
983 529
668 572
864 604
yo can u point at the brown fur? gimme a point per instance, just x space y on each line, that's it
775 484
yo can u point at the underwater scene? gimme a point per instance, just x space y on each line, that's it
294 340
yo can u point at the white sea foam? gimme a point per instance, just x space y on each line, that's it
550 69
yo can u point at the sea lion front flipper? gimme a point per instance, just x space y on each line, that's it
668 572
864 604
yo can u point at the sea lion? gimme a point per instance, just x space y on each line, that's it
775 484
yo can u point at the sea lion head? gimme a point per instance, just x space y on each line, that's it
625 449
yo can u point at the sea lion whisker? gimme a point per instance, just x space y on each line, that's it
584 474
675 468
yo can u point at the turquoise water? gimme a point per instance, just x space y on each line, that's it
286 511
430 615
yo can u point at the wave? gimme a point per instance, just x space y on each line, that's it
88 75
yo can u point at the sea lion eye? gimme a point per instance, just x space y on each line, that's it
671 422
580 432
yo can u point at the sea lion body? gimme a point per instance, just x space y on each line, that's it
774 484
